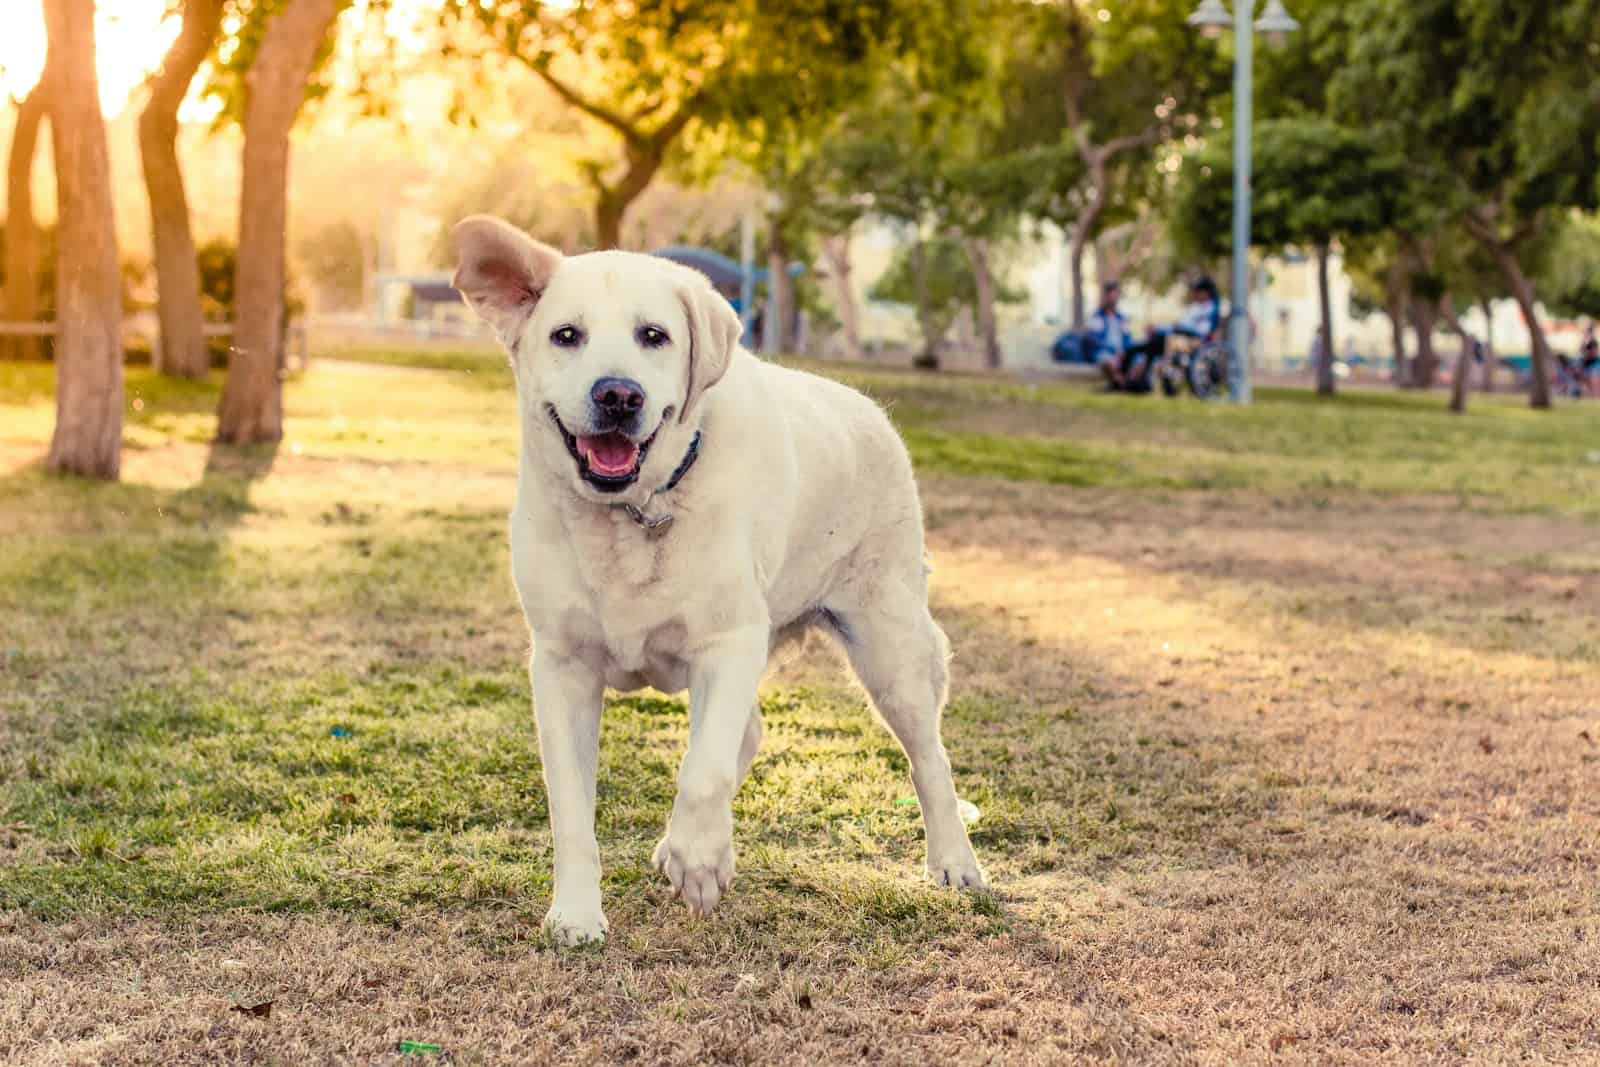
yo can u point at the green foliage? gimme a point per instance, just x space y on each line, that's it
1490 101
949 281
1079 77
219 259
1313 182
1570 281
244 25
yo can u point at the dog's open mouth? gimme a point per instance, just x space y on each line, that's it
608 461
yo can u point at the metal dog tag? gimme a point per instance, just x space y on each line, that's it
653 526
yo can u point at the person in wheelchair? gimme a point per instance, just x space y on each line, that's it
1201 320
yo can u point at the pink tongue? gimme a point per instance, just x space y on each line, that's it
608 453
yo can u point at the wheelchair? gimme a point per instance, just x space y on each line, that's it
1203 367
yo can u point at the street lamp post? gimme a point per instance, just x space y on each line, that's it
1211 18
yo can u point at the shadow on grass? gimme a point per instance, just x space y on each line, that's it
61 554
421 787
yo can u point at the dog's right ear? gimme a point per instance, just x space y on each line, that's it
501 272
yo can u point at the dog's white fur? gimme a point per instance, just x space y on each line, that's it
801 510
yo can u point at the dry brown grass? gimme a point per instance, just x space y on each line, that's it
1305 781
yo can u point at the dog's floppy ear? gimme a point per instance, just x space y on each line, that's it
714 330
501 272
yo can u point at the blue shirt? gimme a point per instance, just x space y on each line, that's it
1200 320
1108 330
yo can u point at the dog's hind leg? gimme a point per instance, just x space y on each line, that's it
901 657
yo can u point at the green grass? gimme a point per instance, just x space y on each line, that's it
1500 455
212 785
187 763
420 787
1261 707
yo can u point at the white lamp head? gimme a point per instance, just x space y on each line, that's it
1211 18
1276 23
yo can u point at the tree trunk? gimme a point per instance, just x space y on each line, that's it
252 399
1397 333
183 351
983 282
1425 367
1075 267
22 230
926 320
1082 230
1460 377
836 250
1488 347
1325 378
776 335
88 351
1394 306
643 152
612 199
1522 292
608 211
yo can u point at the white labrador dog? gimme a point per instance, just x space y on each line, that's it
682 509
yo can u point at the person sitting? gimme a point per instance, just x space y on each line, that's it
1108 335
1200 321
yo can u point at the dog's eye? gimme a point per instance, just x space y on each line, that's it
652 336
566 337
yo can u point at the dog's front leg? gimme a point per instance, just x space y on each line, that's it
567 696
697 852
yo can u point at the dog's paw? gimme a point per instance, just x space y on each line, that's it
571 928
958 871
700 872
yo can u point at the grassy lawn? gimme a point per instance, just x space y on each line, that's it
1284 724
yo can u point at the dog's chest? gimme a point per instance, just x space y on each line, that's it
631 648
609 594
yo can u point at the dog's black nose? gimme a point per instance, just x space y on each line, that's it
620 398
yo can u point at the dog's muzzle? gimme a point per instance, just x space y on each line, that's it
609 461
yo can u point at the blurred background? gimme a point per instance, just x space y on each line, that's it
951 182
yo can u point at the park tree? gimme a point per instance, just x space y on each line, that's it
1379 281
810 198
183 344
886 151
829 164
277 63
22 243
88 348
651 72
936 274
1315 183
1110 84
1493 105
980 201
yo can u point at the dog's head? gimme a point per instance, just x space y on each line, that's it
612 350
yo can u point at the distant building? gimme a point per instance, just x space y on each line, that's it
427 297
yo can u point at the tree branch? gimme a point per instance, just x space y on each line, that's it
628 130
170 83
668 130
1144 138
